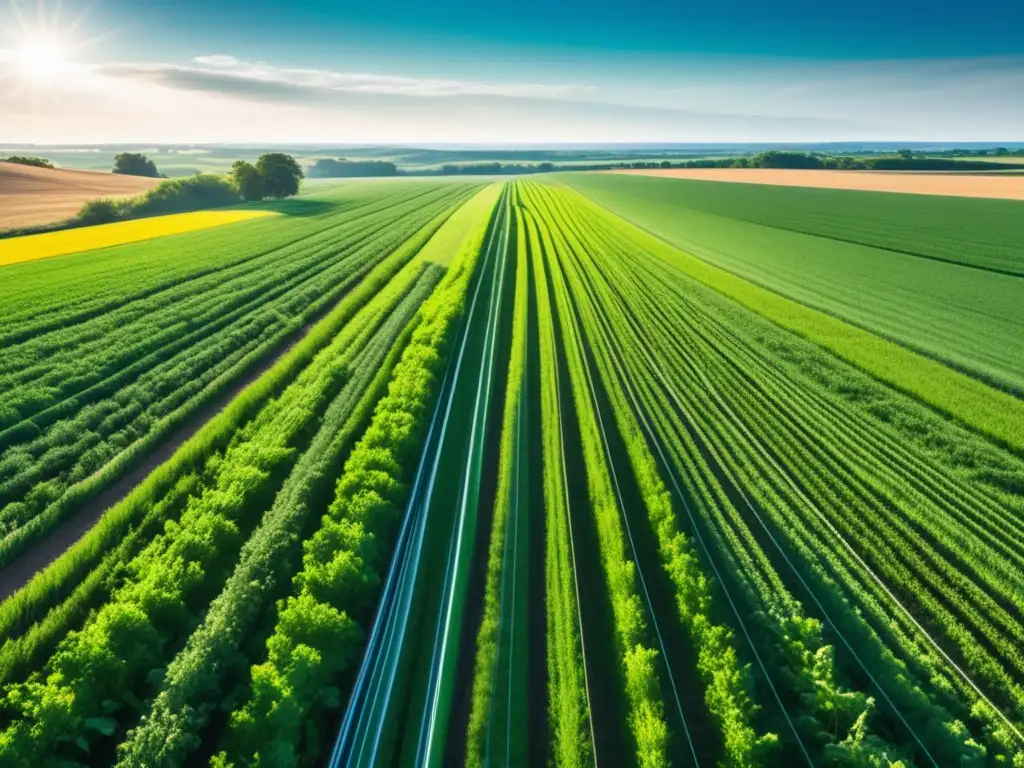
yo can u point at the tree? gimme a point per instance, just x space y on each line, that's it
247 179
1002 151
135 164
776 159
905 154
327 168
281 174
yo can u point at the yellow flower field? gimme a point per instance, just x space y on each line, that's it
43 246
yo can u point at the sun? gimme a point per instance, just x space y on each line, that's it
40 57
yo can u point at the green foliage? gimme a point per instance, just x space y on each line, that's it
890 263
644 703
192 193
100 211
180 571
35 162
152 341
295 690
328 168
134 164
568 704
489 686
211 612
281 174
247 180
904 161
193 682
780 437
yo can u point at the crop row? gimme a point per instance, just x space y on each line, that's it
809 478
191 584
178 572
498 698
58 596
113 387
319 631
571 729
728 685
56 293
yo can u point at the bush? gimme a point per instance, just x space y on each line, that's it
36 162
101 211
193 193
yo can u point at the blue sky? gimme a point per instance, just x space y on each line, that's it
530 71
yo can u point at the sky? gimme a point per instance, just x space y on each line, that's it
533 71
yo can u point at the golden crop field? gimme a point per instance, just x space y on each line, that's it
47 244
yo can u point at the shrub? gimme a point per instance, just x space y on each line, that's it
188 194
193 193
36 162
101 211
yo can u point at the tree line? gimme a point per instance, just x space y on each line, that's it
904 160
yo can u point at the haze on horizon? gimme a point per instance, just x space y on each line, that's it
189 71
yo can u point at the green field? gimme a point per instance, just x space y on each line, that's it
573 471
914 268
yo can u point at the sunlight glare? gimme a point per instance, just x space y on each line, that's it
40 57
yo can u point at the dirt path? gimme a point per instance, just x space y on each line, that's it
37 557
1008 187
32 196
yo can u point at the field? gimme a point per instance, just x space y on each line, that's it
911 268
1002 185
31 196
61 243
594 469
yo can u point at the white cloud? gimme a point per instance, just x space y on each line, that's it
364 82
219 97
217 60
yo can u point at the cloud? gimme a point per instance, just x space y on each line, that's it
230 76
216 97
366 107
217 61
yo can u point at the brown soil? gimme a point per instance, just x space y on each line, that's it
33 196
1009 187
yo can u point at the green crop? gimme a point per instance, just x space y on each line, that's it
966 317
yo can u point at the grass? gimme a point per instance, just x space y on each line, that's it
448 242
982 233
640 669
837 262
729 693
249 510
